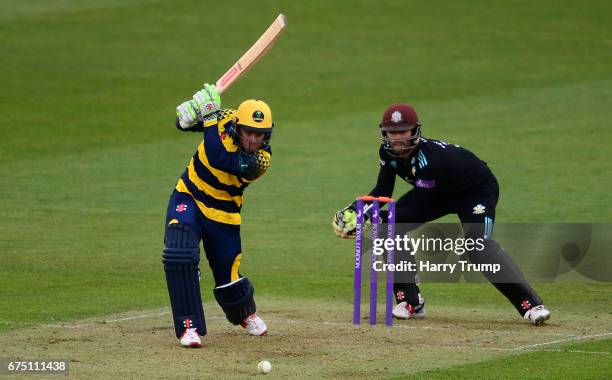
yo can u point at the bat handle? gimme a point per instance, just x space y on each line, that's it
219 87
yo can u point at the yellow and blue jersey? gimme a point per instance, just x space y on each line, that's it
219 171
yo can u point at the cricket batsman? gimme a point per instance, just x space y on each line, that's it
447 179
205 206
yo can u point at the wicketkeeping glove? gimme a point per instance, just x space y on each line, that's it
345 223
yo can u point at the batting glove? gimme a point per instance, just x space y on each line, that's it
188 114
207 100
345 223
204 102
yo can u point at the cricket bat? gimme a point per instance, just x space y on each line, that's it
254 54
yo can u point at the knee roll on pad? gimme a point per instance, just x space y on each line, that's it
236 300
181 258
181 245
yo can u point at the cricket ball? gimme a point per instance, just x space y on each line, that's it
264 366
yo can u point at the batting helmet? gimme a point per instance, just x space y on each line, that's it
255 116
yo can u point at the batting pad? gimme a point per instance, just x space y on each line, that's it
181 258
236 300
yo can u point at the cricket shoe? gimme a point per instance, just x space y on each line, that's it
537 315
404 310
191 338
254 325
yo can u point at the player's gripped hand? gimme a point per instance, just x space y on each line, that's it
345 223
207 100
187 113
204 102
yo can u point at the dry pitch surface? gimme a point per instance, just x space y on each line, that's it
306 339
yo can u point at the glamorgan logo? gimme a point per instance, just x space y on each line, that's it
258 116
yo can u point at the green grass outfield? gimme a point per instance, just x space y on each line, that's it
89 153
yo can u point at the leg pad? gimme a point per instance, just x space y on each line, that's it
181 258
236 300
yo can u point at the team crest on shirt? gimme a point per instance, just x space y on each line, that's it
479 209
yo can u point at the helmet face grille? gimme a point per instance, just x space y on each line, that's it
415 138
234 129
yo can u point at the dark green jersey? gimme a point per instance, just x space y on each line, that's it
434 166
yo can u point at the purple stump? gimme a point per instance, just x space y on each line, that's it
373 273
357 280
390 260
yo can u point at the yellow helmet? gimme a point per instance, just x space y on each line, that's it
254 115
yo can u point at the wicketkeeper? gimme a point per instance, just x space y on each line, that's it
205 206
447 179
